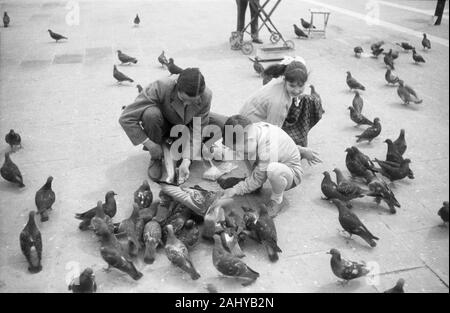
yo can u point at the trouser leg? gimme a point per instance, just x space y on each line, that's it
281 179
241 8
254 16
439 11
156 127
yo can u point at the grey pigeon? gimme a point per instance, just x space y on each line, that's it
417 57
390 77
56 36
352 224
137 20
124 58
10 172
395 171
377 45
189 234
119 76
85 283
389 61
376 53
348 189
353 83
129 228
407 94
259 69
13 139
358 102
314 93
358 118
162 59
143 196
6 19
152 239
101 218
393 54
398 288
44 199
406 46
173 69
229 265
299 32
31 244
400 142
306 24
370 133
329 188
426 43
109 207
345 269
358 50
443 212
178 254
381 191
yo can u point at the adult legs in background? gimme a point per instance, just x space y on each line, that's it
281 178
439 11
254 24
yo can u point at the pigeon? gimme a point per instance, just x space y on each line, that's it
230 239
129 227
377 45
358 103
329 188
376 53
100 218
358 50
353 83
229 265
364 160
306 25
314 93
345 269
381 191
406 46
13 139
398 288
173 69
31 244
189 234
211 288
113 253
56 36
139 88
391 78
259 69
6 19
346 188
392 154
265 231
358 118
352 224
143 196
389 61
124 58
395 171
152 239
178 254
147 214
85 283
417 57
393 54
120 77
179 216
162 59
407 94
44 199
137 20
229 182
359 165
443 212
10 172
400 142
109 207
214 216
370 133
299 32
426 43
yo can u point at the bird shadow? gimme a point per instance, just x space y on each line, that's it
401 105
333 287
361 244
10 187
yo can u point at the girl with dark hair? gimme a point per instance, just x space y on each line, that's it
281 102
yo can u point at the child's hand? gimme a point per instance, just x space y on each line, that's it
310 155
229 193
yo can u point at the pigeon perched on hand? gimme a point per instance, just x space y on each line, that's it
137 20
124 58
152 239
10 172
358 118
443 212
306 25
129 228
259 69
13 139
31 244
56 36
381 191
265 231
173 69
229 265
358 50
120 77
358 103
109 207
398 288
178 254
44 199
407 94
406 46
345 269
347 188
6 19
426 43
353 83
400 142
352 224
143 196
391 78
370 133
395 171
85 283
299 32
417 57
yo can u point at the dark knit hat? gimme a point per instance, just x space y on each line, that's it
191 82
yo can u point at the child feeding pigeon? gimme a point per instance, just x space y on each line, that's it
277 158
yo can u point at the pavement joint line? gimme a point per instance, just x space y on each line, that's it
408 8
380 22
436 274
404 270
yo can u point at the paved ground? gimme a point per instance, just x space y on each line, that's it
63 100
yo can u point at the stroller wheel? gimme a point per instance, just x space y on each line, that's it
289 44
247 48
275 37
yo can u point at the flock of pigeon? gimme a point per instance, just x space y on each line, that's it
173 222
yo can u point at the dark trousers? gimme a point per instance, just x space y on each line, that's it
241 9
439 11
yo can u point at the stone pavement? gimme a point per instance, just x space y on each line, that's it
63 100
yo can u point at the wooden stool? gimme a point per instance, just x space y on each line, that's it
326 16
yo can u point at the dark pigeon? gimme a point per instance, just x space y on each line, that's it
137 20
101 218
229 182
358 118
124 58
299 32
377 45
109 207
119 76
407 94
400 142
381 191
443 212
173 69
44 199
392 154
346 188
395 171
129 228
10 172
406 46
426 43
31 244
376 53
358 50
189 234
6 19
139 88
13 139
393 54
359 165
162 59
143 196
345 269
56 36
329 189
152 239
353 83
370 133
417 57
358 102
389 61
306 25
85 283
398 288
